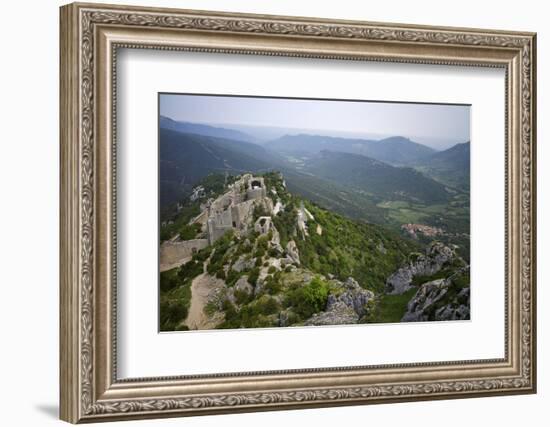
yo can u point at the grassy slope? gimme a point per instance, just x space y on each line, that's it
376 178
367 252
391 308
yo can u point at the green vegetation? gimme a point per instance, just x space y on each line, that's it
218 258
175 298
175 291
273 181
272 284
347 248
450 167
335 197
256 314
335 247
285 223
310 299
232 277
391 308
453 218
446 271
180 221
176 217
188 232
378 178
187 158
253 276
452 297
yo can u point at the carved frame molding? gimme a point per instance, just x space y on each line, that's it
90 36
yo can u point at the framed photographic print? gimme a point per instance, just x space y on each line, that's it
265 212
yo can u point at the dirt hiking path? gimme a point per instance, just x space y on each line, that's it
202 287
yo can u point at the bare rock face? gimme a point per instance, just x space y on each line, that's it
339 314
292 251
459 311
243 285
243 264
345 306
437 254
428 294
439 300
354 296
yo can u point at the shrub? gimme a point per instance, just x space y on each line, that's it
220 249
232 319
267 306
253 276
171 314
273 253
309 299
203 254
232 277
414 256
272 285
271 269
260 252
168 280
175 294
261 243
190 270
242 297
188 232
461 280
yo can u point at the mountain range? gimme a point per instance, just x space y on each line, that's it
451 166
350 176
206 130
395 150
186 158
375 177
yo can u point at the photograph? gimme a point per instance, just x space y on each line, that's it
279 212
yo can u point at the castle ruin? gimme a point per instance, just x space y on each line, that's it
232 210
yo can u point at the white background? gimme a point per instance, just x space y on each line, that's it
29 173
145 353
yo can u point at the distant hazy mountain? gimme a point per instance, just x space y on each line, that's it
395 150
451 166
376 178
206 130
186 158
456 157
348 183
265 134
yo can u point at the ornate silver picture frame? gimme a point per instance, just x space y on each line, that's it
91 35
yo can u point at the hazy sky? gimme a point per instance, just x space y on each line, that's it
437 125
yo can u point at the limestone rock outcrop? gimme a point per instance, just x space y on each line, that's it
440 299
436 256
348 303
292 251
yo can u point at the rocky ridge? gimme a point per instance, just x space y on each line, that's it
441 299
269 272
436 256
